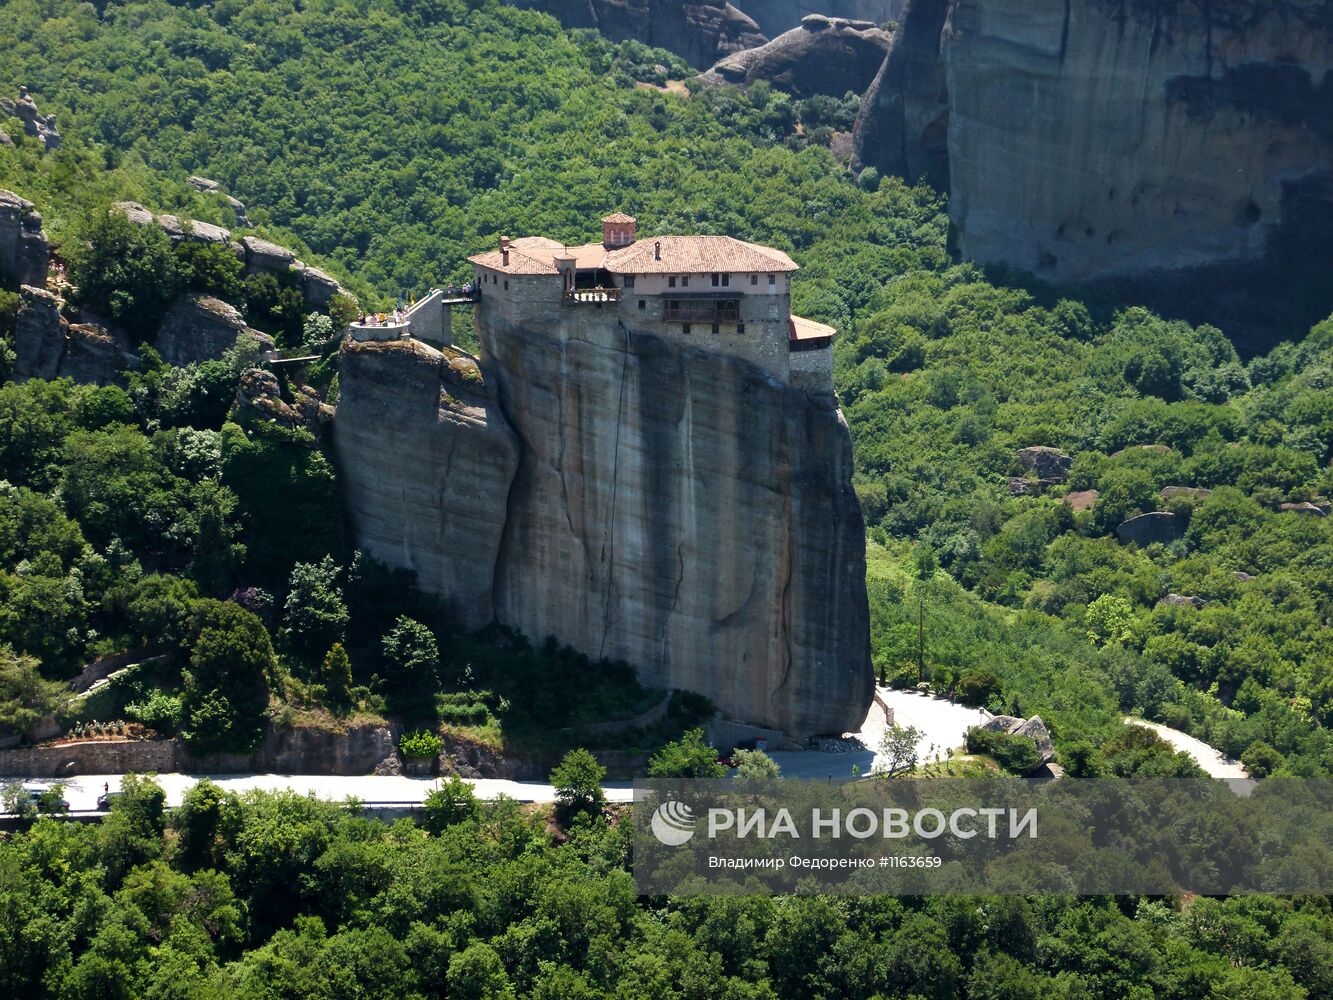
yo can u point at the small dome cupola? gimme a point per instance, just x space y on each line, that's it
618 231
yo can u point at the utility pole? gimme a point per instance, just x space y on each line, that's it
920 640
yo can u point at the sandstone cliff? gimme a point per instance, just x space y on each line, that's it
1179 151
24 252
638 499
824 55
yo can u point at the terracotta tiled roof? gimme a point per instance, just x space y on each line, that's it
679 255
520 261
808 329
696 255
620 217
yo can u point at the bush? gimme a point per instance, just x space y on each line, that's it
453 802
1014 753
420 745
159 710
124 272
471 714
578 785
1261 760
977 687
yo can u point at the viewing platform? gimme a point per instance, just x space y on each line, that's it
374 329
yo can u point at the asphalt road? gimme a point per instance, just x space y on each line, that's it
942 725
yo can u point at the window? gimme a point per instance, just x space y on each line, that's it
715 279
740 327
506 284
671 281
685 281
643 304
686 328
629 281
754 279
726 281
717 328
772 280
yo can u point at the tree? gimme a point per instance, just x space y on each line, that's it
124 272
687 757
227 685
1108 619
897 751
578 785
1261 759
26 697
453 802
411 658
477 973
754 768
316 614
198 823
336 675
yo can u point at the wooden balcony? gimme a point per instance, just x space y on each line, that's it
701 310
585 296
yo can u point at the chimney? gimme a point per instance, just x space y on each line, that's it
657 250
618 231
504 251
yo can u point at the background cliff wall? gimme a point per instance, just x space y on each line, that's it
1177 151
637 499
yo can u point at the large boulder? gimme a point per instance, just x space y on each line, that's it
1050 465
700 32
1155 526
1032 729
200 328
823 56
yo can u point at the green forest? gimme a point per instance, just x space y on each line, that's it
386 141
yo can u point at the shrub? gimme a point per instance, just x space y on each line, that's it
159 710
422 744
578 785
1014 753
977 687
1261 760
471 714
453 802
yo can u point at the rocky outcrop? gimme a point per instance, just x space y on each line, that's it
1050 465
24 252
427 460
776 16
209 186
1177 152
823 56
1155 526
200 327
1182 601
1032 729
197 328
638 499
903 125
259 396
1081 500
258 256
47 346
35 124
701 33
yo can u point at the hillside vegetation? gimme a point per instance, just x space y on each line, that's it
386 141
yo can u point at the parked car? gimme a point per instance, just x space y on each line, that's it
46 798
106 798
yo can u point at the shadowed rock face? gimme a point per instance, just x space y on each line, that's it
823 56
776 16
1177 152
637 499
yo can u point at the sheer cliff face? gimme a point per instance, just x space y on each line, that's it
673 508
1179 150
426 461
